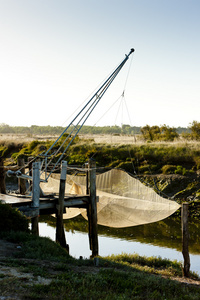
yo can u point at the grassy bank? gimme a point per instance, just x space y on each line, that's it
43 270
38 268
170 167
135 157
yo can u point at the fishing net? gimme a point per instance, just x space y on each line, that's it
123 200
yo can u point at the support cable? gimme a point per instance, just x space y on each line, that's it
84 114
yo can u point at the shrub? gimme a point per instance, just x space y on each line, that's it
163 133
181 170
197 162
127 166
168 169
195 130
15 155
145 169
2 150
11 219
33 144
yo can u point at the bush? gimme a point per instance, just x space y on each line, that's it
163 133
168 169
180 170
2 150
197 162
11 219
33 144
144 169
127 166
195 130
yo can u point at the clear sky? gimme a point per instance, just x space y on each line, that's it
54 53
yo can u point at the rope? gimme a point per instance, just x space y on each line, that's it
93 92
121 103
107 111
128 73
89 107
122 95
80 118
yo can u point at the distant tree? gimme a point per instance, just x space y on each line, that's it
163 133
195 130
126 129
150 132
168 133
5 128
182 130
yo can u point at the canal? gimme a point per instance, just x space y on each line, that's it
161 239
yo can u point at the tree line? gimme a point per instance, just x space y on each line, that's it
166 133
50 130
151 133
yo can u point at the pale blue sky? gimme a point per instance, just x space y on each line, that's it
53 54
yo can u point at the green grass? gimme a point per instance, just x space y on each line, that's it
117 277
35 247
155 265
114 283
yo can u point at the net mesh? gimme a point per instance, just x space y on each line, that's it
123 200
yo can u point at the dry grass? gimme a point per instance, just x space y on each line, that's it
101 139
23 138
138 140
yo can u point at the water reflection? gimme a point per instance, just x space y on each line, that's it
157 239
166 233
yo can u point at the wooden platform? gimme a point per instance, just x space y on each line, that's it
33 206
47 204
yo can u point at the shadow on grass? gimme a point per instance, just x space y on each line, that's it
116 277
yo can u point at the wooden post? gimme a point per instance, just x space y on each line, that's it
87 180
2 177
36 196
92 210
21 182
185 239
60 233
30 166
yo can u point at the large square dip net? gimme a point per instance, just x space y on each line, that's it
123 201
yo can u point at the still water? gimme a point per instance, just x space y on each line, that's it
161 239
